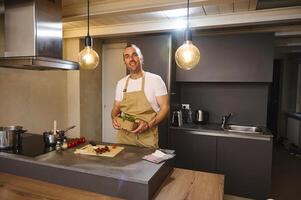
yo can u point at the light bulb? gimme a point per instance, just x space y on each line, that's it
187 55
88 58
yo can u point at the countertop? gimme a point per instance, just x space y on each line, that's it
118 176
294 115
128 162
180 184
214 129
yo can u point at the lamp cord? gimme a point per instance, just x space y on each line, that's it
88 2
187 14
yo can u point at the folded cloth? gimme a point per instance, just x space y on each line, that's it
158 157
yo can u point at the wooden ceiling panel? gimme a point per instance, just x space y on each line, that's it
241 5
211 10
226 8
116 17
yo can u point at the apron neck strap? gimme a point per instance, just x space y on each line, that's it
127 83
143 82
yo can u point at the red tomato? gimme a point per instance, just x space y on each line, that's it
114 146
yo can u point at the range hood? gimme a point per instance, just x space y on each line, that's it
31 35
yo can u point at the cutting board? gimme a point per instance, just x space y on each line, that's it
89 150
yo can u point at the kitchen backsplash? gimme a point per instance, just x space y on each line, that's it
247 101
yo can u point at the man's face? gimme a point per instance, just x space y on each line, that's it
132 59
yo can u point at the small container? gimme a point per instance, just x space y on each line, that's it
65 145
58 145
127 125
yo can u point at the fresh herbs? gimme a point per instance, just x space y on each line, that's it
128 117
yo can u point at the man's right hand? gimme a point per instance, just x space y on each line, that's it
115 124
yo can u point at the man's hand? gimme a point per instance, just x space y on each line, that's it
115 124
142 127
116 113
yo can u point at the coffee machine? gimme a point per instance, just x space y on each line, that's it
177 119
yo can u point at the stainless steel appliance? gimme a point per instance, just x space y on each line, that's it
177 119
31 35
201 116
32 145
10 136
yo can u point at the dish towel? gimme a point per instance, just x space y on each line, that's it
159 156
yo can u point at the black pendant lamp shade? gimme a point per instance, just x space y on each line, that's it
88 58
187 55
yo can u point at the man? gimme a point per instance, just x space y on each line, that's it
142 95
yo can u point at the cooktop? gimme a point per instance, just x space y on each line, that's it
31 145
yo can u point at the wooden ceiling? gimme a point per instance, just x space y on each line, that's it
119 17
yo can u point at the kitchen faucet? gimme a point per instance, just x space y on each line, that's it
225 120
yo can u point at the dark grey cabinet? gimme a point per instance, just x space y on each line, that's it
246 164
193 151
232 58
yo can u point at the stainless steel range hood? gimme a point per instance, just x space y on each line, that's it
31 35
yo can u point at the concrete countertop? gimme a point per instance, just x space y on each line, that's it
127 165
214 129
118 176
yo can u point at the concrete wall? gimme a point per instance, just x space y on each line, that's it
1 31
91 99
71 49
33 99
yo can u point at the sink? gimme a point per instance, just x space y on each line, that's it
243 129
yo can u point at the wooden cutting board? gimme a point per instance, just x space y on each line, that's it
89 150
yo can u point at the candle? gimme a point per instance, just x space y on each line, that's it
54 127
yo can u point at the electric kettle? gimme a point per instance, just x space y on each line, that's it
201 116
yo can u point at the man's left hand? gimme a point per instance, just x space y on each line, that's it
142 127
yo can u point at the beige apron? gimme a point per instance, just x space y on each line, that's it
136 104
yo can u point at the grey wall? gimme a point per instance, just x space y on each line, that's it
288 91
91 98
247 101
232 58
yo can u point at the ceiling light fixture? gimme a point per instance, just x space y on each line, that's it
88 58
187 55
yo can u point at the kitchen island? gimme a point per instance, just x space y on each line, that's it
124 176
179 185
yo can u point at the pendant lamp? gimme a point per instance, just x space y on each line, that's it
187 55
88 58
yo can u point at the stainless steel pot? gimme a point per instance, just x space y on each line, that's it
49 138
10 136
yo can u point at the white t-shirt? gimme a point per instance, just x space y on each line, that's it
154 86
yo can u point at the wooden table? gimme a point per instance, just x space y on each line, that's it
181 184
